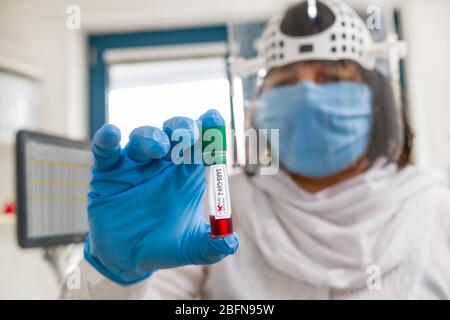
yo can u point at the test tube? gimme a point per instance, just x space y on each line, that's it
217 181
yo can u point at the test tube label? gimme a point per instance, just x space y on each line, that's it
221 198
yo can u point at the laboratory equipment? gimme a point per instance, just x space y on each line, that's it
214 148
52 179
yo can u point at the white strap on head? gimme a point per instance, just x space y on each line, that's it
347 38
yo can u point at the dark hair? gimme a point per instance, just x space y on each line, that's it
393 129
405 157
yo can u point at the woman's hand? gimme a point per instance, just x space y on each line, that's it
145 212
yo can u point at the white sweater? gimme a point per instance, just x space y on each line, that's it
384 234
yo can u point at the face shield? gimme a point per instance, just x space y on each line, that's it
312 70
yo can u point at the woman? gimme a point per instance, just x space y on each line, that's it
345 217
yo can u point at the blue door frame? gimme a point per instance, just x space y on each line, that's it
98 77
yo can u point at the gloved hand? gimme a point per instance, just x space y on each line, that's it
145 212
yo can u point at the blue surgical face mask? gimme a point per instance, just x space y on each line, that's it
324 128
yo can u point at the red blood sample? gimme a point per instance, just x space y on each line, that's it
220 227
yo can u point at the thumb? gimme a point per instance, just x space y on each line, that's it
211 250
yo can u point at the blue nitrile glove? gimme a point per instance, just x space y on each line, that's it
145 212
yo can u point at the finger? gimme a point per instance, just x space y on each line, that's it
183 133
171 126
211 118
212 250
147 143
106 147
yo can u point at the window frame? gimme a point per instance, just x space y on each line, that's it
98 67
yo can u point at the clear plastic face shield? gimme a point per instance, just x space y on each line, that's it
321 81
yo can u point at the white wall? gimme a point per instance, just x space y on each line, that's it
35 32
427 30
6 173
23 274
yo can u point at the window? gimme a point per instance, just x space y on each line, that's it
144 87
148 93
